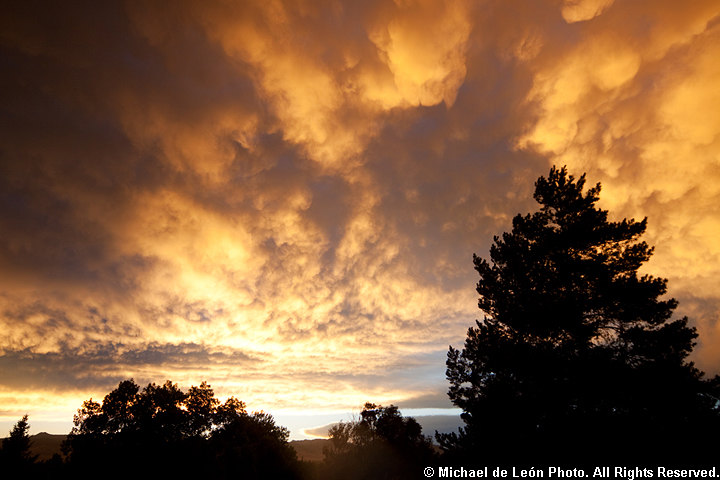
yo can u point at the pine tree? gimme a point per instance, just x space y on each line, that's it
16 447
577 354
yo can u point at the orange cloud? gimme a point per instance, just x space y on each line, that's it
634 108
283 198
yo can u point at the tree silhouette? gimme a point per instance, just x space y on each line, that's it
577 356
382 444
174 433
15 455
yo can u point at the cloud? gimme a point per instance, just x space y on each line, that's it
291 192
582 10
631 106
106 364
429 423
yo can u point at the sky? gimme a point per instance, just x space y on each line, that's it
283 198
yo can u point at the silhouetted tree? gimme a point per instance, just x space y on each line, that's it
577 357
381 445
174 433
15 455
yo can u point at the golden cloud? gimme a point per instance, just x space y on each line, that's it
283 197
635 108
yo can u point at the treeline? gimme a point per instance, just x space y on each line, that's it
577 361
164 432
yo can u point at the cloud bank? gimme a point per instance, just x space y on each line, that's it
283 198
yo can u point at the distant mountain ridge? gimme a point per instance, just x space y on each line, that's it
45 445
309 450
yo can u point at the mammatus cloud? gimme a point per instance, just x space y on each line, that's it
582 10
634 107
283 198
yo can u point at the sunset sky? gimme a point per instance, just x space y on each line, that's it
283 198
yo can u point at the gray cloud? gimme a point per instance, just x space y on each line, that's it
103 365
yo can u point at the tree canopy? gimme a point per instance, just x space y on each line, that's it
577 352
381 444
15 455
168 430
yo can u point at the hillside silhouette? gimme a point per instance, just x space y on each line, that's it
44 445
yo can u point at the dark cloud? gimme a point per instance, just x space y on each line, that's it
438 399
103 365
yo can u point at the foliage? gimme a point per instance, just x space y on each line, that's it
577 354
171 431
15 454
382 444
